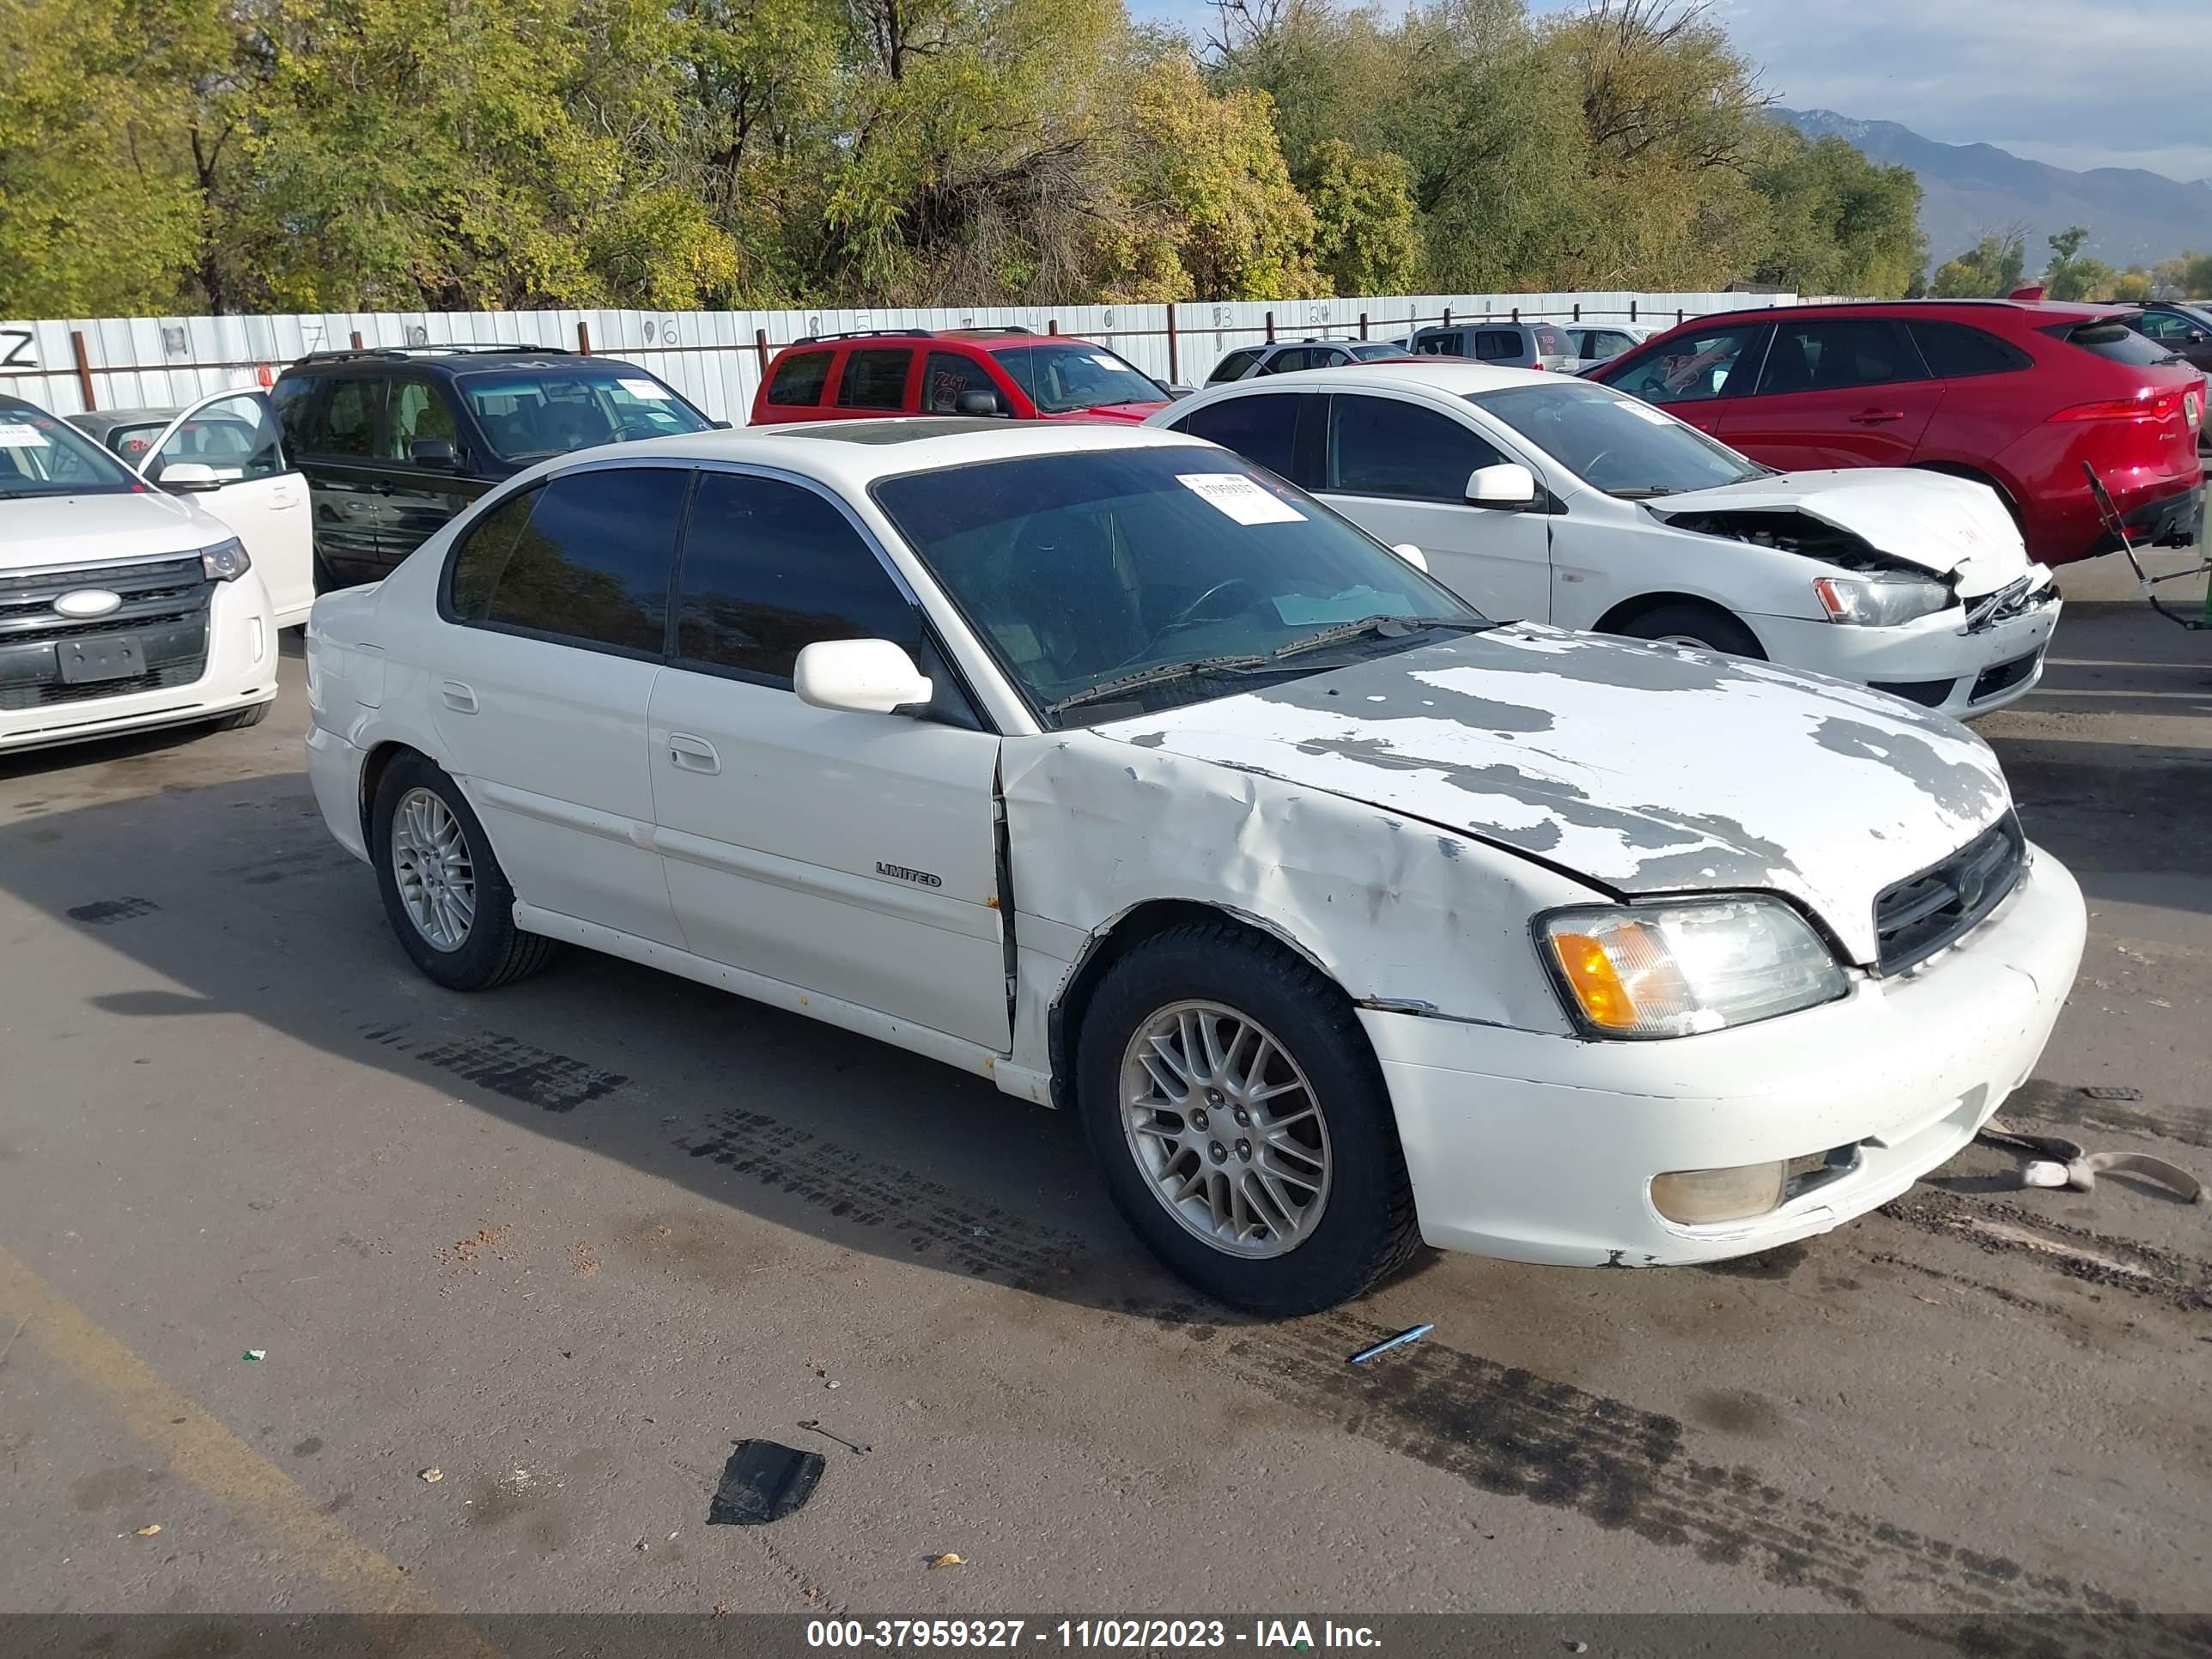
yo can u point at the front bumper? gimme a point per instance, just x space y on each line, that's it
1539 1148
1934 662
239 672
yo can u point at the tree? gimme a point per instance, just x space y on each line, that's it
1838 224
2071 274
1989 270
1365 238
2132 286
2186 277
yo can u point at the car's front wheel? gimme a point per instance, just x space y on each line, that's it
1241 1124
1707 627
444 892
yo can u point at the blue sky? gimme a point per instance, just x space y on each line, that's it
2078 84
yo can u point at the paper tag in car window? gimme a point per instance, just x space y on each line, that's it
648 390
1240 497
16 434
1646 412
1104 361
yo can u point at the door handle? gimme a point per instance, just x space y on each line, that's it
458 697
693 754
1876 416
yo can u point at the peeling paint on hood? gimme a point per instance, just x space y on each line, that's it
1649 769
1944 525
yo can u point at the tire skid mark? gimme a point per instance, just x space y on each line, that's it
2063 1106
506 1065
1500 1429
2146 1270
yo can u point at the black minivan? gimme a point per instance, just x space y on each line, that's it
395 440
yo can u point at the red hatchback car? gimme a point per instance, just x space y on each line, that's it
977 371
2015 394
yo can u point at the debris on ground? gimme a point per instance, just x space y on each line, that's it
252 1355
947 1560
146 1531
763 1482
1412 1334
2078 1167
2112 1092
433 1476
813 1426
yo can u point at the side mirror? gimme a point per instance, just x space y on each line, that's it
1509 486
437 453
1412 556
2194 337
187 475
858 677
978 402
723 425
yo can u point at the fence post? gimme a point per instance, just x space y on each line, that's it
1052 324
83 368
1578 311
1632 311
760 345
1271 328
356 340
1517 313
1680 314
1173 366
1447 316
583 337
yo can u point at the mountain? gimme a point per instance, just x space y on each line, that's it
2134 217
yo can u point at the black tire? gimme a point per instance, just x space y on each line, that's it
1367 1229
245 717
494 950
1707 624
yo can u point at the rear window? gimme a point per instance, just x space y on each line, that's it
1233 366
2114 342
799 378
1956 352
1553 342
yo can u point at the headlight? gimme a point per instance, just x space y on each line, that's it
226 561
1879 601
1669 970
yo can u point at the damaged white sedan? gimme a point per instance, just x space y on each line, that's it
1555 500
1104 765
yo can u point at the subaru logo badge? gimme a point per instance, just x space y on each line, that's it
87 603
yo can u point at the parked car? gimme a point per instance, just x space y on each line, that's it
1602 343
122 607
1503 345
871 372
395 440
1550 498
2016 395
227 450
2186 330
1102 763
1292 357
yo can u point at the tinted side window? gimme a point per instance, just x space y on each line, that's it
874 380
1233 366
1831 356
799 377
293 400
770 567
1495 344
945 375
1380 446
591 564
482 552
416 409
1444 343
1261 429
1290 361
349 422
1694 368
1954 351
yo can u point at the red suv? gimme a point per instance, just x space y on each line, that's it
2016 394
973 371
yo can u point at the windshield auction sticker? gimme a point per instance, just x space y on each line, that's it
645 390
13 435
1240 497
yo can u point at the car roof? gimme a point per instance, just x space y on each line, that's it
2049 310
107 420
854 453
1447 377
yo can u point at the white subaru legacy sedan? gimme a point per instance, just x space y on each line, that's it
122 608
1552 499
1107 766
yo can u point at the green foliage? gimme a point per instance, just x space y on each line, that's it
1836 222
2186 277
1989 270
1365 238
2073 275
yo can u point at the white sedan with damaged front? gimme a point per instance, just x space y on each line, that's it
1104 765
1555 500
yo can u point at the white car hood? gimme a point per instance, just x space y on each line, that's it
1644 770
39 533
1941 524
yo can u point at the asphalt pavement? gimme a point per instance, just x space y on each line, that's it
562 1244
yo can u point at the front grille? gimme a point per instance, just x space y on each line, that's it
1915 918
2004 677
1929 693
164 605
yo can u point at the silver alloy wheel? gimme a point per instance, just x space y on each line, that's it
437 876
1225 1128
1693 643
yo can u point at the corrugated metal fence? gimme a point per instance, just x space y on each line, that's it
715 357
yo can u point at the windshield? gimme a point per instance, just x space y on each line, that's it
1064 375
1613 443
1081 570
529 414
1368 353
40 455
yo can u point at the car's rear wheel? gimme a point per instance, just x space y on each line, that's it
1241 1124
444 892
1707 627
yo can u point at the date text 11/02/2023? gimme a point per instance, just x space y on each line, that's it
1141 1634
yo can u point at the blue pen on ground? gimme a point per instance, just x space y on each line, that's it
1390 1342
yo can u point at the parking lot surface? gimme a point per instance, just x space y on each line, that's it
563 1244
